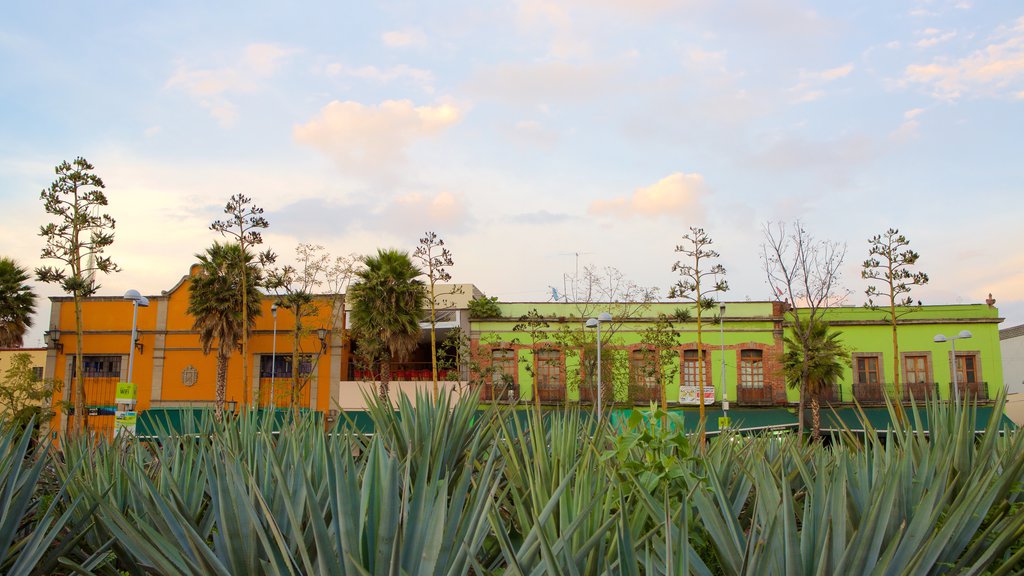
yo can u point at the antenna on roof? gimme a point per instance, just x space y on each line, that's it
554 293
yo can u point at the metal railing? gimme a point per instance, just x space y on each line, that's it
976 391
876 392
407 372
755 396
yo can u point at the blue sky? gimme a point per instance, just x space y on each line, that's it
524 132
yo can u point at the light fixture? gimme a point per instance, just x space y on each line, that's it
321 333
136 300
964 334
725 389
54 336
596 323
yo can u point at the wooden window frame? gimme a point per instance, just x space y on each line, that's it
557 361
974 355
691 367
641 371
879 368
499 365
928 368
742 364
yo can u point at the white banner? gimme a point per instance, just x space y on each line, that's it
690 395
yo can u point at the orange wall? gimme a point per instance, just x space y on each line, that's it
107 330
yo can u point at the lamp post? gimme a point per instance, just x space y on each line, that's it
596 323
964 334
273 358
137 300
725 389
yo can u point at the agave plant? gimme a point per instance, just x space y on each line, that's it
33 535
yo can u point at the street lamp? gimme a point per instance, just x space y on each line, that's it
952 342
725 389
273 358
596 323
137 300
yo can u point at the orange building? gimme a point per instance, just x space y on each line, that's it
170 369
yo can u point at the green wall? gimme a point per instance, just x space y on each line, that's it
863 330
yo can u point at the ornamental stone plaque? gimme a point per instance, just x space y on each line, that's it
189 375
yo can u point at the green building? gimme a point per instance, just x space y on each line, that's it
544 353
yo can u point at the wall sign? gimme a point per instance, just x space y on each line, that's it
189 375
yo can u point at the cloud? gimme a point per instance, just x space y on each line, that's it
211 88
933 37
535 132
371 140
383 75
403 38
996 70
908 129
673 195
540 217
838 159
400 216
810 86
545 82
553 19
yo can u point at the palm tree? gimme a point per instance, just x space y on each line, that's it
215 301
17 302
820 361
387 302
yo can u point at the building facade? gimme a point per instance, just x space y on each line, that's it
532 353
536 348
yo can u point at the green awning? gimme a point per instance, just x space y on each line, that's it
165 422
879 419
740 419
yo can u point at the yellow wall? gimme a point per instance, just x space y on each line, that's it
38 356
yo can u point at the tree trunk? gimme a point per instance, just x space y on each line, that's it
245 328
433 333
897 388
78 393
222 378
700 374
801 425
294 401
385 379
815 419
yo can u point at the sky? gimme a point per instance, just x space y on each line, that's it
533 136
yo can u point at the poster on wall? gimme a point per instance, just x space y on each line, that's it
124 422
125 393
689 395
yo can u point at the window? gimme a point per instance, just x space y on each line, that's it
691 368
866 369
37 372
280 366
966 369
98 366
751 369
549 369
503 364
643 368
915 369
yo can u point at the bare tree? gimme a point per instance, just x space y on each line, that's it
536 326
436 260
693 286
889 264
244 222
805 272
296 289
78 241
595 290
